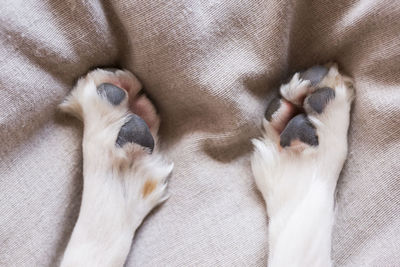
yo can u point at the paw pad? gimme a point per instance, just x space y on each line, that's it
320 98
314 74
299 128
135 130
113 70
114 94
273 106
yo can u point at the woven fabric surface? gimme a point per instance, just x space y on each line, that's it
210 67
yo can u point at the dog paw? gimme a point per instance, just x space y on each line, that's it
120 135
313 114
305 132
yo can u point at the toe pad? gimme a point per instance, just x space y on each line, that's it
320 98
114 94
314 74
273 106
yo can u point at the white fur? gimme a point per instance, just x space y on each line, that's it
294 88
298 183
114 200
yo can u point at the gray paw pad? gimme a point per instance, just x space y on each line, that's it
113 93
113 70
314 74
320 98
299 128
135 130
273 106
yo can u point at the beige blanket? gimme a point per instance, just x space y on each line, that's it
210 67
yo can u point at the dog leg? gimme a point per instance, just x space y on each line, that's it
124 175
297 162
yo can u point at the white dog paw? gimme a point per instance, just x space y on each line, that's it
305 134
120 136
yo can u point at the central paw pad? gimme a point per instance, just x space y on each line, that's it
135 130
299 128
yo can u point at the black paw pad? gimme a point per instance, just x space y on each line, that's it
135 130
273 106
299 128
320 98
314 74
114 94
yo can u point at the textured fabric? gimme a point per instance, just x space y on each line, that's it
210 67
